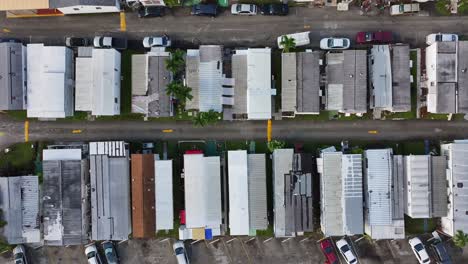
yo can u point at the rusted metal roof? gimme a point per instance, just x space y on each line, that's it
143 203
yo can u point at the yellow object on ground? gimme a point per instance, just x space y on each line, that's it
373 132
123 22
167 131
77 131
26 131
269 130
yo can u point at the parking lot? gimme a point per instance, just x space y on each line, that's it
240 250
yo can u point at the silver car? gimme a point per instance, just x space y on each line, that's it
161 41
19 253
335 43
244 9
180 252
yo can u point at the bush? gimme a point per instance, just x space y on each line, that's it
443 7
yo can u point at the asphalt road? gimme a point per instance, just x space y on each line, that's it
229 30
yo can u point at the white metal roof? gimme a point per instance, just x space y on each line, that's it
381 77
351 171
282 164
84 83
238 193
259 83
111 148
50 84
417 187
202 191
163 195
288 82
139 74
61 154
106 82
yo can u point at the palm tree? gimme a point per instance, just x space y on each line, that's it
176 61
287 43
206 118
460 239
275 144
179 91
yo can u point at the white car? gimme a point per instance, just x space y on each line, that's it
334 43
244 9
92 254
162 41
180 252
19 254
419 250
346 251
102 42
440 37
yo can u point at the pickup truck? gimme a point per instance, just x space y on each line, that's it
403 9
110 42
301 39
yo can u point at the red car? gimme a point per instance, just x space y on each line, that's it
374 37
329 251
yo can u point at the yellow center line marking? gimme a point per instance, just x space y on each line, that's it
373 132
306 26
2 133
76 131
26 131
167 131
269 130
6 30
123 22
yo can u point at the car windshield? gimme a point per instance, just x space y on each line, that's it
19 261
19 258
179 251
330 42
251 8
438 38
328 250
91 254
419 247
368 36
345 248
238 8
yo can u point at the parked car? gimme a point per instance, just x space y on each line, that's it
346 251
374 37
334 43
440 37
19 253
419 250
12 40
205 10
92 254
73 42
180 252
162 41
301 39
402 9
151 11
110 253
274 10
327 248
440 252
244 9
109 42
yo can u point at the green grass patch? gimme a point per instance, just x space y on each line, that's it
126 116
173 233
412 148
19 160
416 226
436 116
78 116
17 114
126 83
267 232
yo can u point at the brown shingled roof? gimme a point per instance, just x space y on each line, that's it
143 204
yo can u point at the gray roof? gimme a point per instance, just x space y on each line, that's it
158 79
347 79
381 76
398 189
19 201
139 65
401 82
192 77
256 165
308 82
463 76
239 74
11 76
352 192
331 217
446 62
67 3
288 82
446 97
110 198
439 186
64 222
282 164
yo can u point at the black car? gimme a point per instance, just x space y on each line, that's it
77 42
442 256
151 11
110 253
205 10
11 40
275 10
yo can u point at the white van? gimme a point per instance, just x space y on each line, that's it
403 9
300 39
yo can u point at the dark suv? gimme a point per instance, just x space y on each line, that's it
440 252
275 9
205 10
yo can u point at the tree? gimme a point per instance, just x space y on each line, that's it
460 239
179 91
275 144
462 6
176 61
206 118
287 43
443 7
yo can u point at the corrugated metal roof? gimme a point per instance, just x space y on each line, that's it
398 188
401 81
110 148
462 76
50 83
259 84
239 74
351 171
288 82
257 191
12 76
106 82
83 84
20 207
163 195
308 82
110 198
202 191
139 74
439 186
418 186
381 71
143 196
192 64
238 193
282 164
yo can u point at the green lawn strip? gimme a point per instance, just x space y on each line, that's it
267 232
19 160
173 233
126 83
416 226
